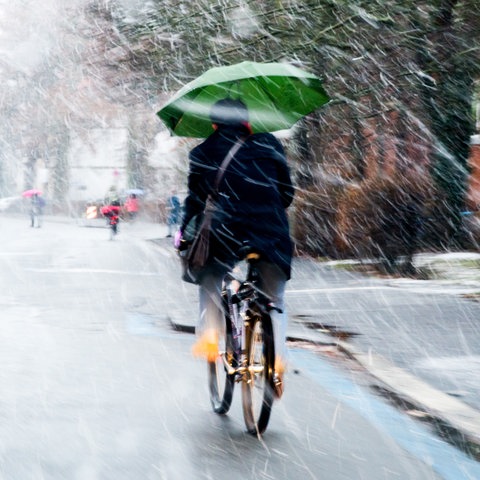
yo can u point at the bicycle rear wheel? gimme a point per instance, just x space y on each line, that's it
113 230
257 391
220 382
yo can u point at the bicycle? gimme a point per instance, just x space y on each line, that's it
247 352
113 225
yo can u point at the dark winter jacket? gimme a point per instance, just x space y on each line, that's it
253 195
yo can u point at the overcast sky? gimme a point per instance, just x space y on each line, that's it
28 31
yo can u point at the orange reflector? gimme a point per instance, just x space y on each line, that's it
253 256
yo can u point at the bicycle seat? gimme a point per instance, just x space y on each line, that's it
248 252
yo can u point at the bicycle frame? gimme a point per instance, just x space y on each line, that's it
240 301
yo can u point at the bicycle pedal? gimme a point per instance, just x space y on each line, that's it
230 370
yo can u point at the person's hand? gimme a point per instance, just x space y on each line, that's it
177 239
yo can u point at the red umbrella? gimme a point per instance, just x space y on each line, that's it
31 193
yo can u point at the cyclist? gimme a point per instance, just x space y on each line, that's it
112 212
253 196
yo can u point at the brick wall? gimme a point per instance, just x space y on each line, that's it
474 183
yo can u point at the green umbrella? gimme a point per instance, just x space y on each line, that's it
276 94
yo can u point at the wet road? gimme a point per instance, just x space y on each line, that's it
96 385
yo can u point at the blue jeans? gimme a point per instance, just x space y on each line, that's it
272 282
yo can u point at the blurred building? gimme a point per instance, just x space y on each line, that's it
97 162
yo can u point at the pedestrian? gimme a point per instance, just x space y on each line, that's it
36 210
131 206
173 209
251 206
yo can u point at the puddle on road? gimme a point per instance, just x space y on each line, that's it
332 330
330 351
137 323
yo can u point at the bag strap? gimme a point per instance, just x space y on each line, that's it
228 158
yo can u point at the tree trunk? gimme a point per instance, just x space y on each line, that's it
447 99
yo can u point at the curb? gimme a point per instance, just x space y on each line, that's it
447 413
452 417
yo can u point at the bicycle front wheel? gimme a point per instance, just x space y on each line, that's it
220 380
257 388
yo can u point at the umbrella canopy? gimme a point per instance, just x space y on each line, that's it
134 191
277 95
31 193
